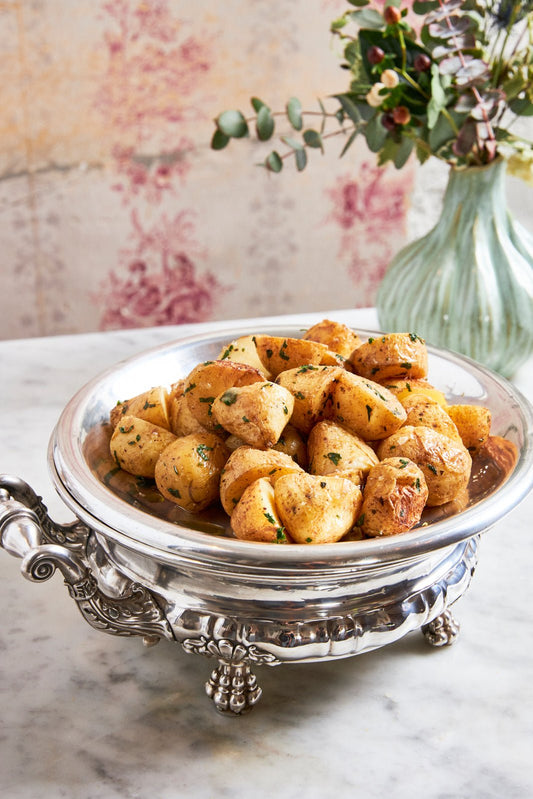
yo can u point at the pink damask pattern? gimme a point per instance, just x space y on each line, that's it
155 69
370 211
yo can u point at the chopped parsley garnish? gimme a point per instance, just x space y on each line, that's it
227 352
406 365
322 484
368 411
299 395
360 521
269 517
175 469
417 483
174 492
431 468
202 450
148 405
403 463
334 457
371 340
245 419
190 387
229 397
414 337
269 353
280 534
283 354
285 410
309 540
123 429
306 368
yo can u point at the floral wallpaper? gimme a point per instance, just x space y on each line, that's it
115 212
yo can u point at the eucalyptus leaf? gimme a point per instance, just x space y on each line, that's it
388 151
423 8
449 28
313 138
301 159
375 134
358 3
522 106
422 154
232 124
443 11
257 104
349 107
438 98
264 123
403 152
292 143
349 143
294 113
368 18
273 162
219 140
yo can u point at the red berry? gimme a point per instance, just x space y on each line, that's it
401 115
375 55
387 120
422 62
392 15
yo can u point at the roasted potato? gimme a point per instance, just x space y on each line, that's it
137 444
292 443
257 413
311 387
394 497
152 406
337 337
426 412
279 354
208 380
334 450
188 471
316 510
404 388
244 350
255 517
446 464
181 420
473 423
394 355
245 465
364 407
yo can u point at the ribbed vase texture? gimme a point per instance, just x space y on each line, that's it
468 284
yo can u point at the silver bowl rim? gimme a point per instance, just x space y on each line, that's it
97 506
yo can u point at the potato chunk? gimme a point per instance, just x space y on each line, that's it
279 354
446 464
364 407
137 444
208 380
404 388
393 498
311 387
152 406
188 471
245 465
334 450
181 420
316 510
292 443
255 517
473 423
336 336
426 412
244 350
394 355
256 413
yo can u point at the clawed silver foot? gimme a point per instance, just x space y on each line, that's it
442 631
233 688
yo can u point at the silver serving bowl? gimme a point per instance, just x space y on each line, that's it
138 565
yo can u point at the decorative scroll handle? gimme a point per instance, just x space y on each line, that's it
27 532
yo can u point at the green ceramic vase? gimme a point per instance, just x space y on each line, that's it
468 284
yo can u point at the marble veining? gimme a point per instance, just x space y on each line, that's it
90 716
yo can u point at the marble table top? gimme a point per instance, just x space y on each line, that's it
91 716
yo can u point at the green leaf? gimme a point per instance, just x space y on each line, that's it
337 24
438 97
422 154
389 151
301 159
293 143
294 113
219 140
442 132
232 124
349 143
273 162
257 104
404 151
421 7
358 3
264 124
522 107
368 18
313 138
349 107
375 134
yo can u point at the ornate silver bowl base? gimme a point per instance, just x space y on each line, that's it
134 572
